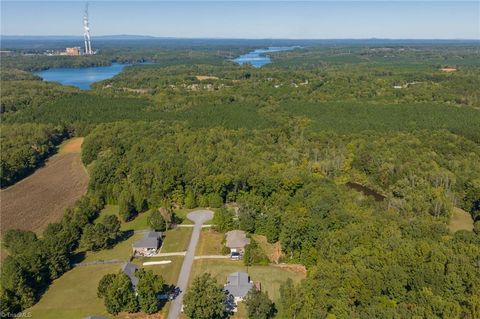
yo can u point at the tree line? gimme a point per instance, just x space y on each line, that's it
33 263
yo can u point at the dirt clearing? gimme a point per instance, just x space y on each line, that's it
42 198
206 77
73 145
273 251
448 70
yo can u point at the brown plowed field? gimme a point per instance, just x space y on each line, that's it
42 198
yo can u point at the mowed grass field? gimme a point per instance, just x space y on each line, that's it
271 277
121 251
74 294
138 223
41 198
169 272
210 243
176 240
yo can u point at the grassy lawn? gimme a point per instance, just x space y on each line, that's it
122 250
270 277
182 213
210 243
176 240
74 295
241 312
460 220
169 272
138 223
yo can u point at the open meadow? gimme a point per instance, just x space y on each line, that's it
74 295
42 198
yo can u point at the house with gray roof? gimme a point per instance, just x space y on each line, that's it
148 245
236 241
130 269
238 285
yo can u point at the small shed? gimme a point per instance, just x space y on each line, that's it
148 245
236 241
238 285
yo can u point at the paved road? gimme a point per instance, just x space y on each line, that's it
199 217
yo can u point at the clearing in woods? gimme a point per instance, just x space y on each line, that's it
41 198
460 220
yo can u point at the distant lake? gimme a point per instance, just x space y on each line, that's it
81 77
258 58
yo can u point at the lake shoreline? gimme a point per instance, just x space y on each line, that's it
258 57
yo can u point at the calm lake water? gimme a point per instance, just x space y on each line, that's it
258 58
81 77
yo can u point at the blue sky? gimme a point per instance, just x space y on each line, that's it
248 19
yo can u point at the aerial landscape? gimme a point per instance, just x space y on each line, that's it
227 159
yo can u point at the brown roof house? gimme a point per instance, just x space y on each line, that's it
148 245
236 241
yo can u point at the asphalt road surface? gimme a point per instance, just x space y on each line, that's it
198 217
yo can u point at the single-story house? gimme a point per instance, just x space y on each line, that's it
130 269
238 285
148 245
236 241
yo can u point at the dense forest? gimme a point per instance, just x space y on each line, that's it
25 147
284 142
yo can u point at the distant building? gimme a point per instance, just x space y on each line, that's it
238 285
148 245
236 241
448 69
130 269
73 51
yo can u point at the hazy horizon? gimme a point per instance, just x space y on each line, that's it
73 36
299 20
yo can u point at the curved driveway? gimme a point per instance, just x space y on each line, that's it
199 217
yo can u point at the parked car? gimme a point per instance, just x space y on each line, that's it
235 256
